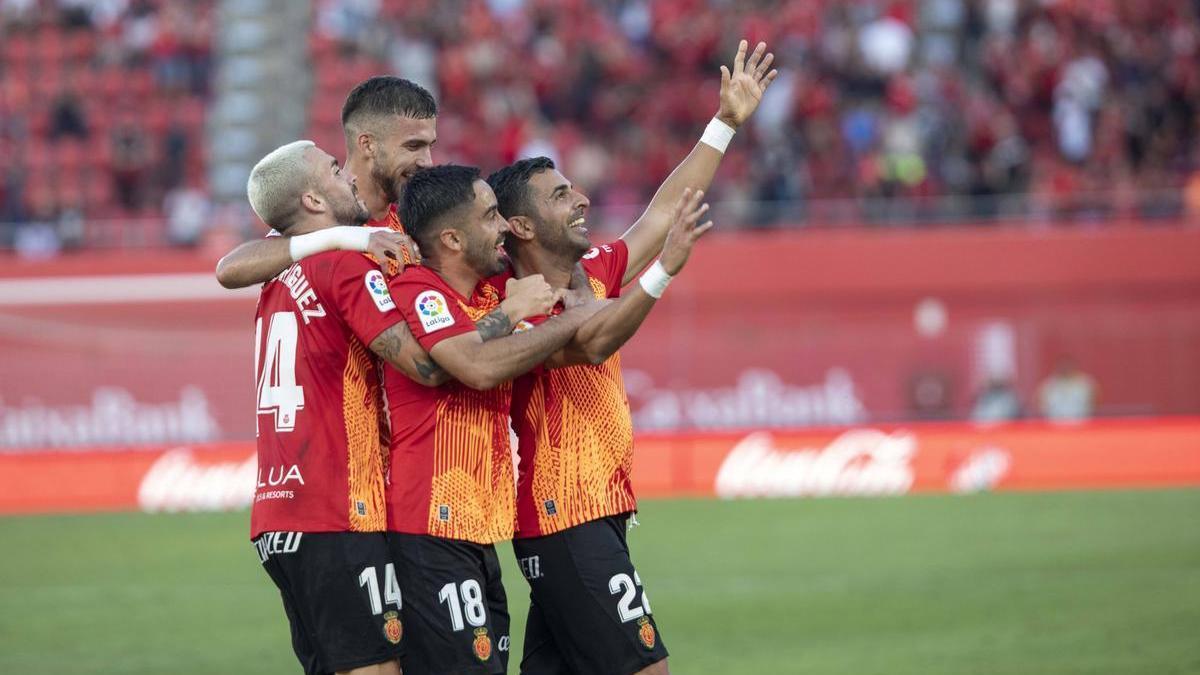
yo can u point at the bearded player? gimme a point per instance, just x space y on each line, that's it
318 516
390 125
450 490
588 612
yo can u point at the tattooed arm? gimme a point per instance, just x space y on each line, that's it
484 365
398 347
494 325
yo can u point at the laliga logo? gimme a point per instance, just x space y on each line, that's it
431 305
376 284
859 462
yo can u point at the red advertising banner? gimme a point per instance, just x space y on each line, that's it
762 330
854 461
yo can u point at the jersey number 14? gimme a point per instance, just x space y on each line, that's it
278 393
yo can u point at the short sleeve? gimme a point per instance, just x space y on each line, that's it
607 264
361 294
430 307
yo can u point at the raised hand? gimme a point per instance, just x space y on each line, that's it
391 248
684 232
742 88
528 296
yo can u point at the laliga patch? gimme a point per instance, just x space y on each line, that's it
433 312
378 289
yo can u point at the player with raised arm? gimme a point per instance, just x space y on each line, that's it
390 126
574 494
450 490
319 514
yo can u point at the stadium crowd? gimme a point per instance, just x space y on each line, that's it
1059 102
102 107
907 110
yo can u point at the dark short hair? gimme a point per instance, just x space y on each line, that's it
511 185
432 193
387 95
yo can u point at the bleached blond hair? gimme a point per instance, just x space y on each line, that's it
277 182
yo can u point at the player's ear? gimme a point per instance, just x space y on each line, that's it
312 202
365 143
521 227
453 239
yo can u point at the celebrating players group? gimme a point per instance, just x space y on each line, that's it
392 361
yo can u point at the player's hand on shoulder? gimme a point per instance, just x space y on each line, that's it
685 231
528 296
579 292
742 88
387 245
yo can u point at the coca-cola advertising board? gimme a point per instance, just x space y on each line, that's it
854 461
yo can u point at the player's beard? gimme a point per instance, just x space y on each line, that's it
484 258
389 183
351 212
567 243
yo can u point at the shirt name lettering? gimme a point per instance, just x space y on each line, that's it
306 299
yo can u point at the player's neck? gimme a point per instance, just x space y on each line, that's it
457 273
306 225
533 259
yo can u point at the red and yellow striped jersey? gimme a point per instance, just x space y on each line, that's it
574 429
451 472
321 457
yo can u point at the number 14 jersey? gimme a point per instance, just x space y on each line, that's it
322 445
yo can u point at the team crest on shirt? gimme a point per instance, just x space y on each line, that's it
393 630
379 290
433 312
646 632
522 326
482 644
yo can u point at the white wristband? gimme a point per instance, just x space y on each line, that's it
340 238
655 280
718 134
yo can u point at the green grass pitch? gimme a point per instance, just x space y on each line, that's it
1015 583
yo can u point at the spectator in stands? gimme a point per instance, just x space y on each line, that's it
131 161
1068 394
997 401
929 395
188 210
66 116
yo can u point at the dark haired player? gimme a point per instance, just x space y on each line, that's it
450 489
588 612
390 125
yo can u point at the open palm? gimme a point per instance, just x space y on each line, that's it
742 88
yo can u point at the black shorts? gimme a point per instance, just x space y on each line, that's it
340 594
455 610
588 613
